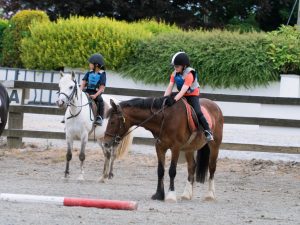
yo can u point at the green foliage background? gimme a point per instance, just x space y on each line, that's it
3 26
222 58
18 28
70 42
143 50
284 49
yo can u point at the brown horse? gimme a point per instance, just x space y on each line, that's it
170 128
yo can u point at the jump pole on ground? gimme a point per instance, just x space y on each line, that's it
65 201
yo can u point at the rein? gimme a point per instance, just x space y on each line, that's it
117 138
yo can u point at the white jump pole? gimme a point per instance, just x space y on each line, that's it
84 202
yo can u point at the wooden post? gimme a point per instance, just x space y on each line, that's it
15 121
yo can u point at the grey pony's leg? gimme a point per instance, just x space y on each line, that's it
68 156
107 156
111 165
105 169
82 156
108 165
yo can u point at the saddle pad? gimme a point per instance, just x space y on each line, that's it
191 119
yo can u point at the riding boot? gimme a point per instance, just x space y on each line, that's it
207 132
63 120
99 119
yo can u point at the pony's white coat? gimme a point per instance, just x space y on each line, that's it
79 120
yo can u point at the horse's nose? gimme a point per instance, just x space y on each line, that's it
60 102
106 145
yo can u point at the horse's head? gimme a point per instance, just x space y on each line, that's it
67 89
115 130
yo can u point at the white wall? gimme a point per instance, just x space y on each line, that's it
235 133
229 108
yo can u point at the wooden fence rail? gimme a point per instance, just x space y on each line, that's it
15 131
152 93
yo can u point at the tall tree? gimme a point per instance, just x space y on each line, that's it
269 14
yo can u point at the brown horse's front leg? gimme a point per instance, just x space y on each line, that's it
110 173
160 191
171 196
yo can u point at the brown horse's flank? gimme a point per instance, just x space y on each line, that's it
175 133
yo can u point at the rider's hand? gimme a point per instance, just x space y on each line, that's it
93 96
170 101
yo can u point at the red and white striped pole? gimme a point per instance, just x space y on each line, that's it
84 202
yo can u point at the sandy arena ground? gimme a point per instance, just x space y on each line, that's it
248 191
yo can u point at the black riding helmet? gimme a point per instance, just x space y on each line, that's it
97 59
180 59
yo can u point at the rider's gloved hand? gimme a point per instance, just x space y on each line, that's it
170 101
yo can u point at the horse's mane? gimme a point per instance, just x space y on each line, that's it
144 103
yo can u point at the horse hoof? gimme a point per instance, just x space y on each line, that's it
186 197
110 176
102 180
171 197
188 192
158 196
210 196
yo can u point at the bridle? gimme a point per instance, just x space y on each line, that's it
116 139
70 99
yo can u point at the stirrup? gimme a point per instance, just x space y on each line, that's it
99 121
208 135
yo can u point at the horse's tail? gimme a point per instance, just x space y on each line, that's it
202 163
124 146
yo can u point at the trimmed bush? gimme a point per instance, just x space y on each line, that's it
222 58
18 28
284 49
3 26
70 42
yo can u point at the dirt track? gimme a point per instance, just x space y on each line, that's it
248 192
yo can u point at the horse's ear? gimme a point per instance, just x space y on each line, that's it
73 74
61 73
113 105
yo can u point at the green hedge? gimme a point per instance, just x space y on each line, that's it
143 50
18 28
3 26
222 58
154 27
68 43
284 49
